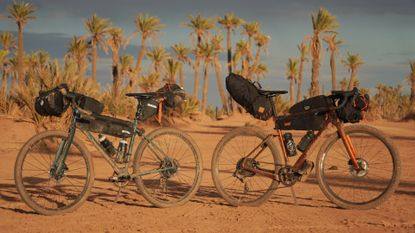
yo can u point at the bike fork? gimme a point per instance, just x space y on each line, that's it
351 151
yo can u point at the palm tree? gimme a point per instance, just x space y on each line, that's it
333 46
260 71
157 55
216 42
78 51
149 82
3 66
115 41
292 72
411 78
200 27
172 68
181 53
7 42
241 52
207 52
261 42
147 26
126 70
230 22
303 48
21 13
323 22
251 30
343 84
98 29
352 62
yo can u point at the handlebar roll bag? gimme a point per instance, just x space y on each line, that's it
52 102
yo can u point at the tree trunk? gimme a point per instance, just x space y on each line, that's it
292 91
115 74
205 87
140 56
229 46
256 62
220 84
333 71
244 71
181 74
249 55
300 81
315 67
20 54
94 61
412 98
4 84
352 79
196 67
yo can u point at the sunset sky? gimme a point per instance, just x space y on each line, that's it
381 31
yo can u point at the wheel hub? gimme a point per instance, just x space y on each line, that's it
363 168
171 167
249 164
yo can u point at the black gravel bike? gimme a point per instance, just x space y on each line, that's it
54 171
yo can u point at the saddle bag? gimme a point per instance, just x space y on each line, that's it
245 93
352 111
106 125
52 102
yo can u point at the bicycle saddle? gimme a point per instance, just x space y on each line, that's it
271 93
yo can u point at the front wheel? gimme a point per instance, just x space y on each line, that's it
169 167
379 172
38 181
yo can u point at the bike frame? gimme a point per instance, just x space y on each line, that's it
331 118
59 161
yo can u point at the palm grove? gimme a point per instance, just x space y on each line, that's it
29 73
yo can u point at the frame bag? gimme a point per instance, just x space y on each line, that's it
245 93
308 114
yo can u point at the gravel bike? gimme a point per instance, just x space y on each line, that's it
358 167
54 171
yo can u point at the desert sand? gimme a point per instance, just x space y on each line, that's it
207 211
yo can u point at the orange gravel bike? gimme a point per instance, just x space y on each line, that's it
358 167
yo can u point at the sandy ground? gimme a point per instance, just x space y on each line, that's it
207 212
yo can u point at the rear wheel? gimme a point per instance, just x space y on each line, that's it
239 186
174 152
379 172
38 183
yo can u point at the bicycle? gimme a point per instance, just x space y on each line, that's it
358 167
54 171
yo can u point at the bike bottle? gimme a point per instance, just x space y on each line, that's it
107 145
289 144
122 152
305 141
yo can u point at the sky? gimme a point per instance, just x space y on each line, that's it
381 31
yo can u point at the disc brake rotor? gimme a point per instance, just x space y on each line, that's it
363 168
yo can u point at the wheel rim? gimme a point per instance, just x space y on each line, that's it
48 191
358 187
182 169
237 184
